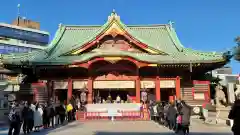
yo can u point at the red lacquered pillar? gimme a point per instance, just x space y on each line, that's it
178 89
157 89
90 90
138 91
69 92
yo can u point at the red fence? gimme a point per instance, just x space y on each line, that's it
123 115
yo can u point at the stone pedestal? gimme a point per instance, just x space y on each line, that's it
222 114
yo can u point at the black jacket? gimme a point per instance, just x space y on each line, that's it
172 113
50 111
234 114
61 110
160 109
186 114
27 113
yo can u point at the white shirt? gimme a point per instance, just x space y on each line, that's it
118 98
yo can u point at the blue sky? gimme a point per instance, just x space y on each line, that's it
207 25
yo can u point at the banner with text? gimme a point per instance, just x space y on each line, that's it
113 84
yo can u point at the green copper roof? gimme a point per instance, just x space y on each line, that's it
157 37
39 58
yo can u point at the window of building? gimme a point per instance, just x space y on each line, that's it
1 46
10 48
23 49
16 49
3 77
4 38
3 103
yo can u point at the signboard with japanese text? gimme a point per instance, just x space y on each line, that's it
113 84
80 84
167 84
60 85
147 84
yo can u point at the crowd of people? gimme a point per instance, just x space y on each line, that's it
34 116
175 116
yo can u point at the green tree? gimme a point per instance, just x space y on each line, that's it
236 51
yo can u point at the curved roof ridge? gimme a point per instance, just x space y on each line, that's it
86 40
128 25
147 25
83 26
203 52
173 35
57 37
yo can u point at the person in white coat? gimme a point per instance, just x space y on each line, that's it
38 112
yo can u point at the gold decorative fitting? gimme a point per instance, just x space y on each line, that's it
72 66
152 65
77 51
113 16
114 30
151 51
112 58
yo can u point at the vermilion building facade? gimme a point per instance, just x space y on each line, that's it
115 58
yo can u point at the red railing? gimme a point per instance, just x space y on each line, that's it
123 115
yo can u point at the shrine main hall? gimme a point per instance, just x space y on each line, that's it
117 59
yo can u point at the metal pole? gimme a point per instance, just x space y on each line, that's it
18 14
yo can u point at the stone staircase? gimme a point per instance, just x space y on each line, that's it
41 94
189 90
187 96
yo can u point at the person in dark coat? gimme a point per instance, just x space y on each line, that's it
172 116
27 115
51 115
31 117
45 116
15 119
160 113
186 114
234 115
62 113
57 113
151 110
165 112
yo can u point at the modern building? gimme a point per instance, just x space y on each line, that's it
15 39
223 70
118 59
226 76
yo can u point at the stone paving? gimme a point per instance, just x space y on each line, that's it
128 128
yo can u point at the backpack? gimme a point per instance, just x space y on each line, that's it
13 116
179 119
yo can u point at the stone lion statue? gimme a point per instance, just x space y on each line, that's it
220 96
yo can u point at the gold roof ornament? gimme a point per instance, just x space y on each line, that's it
113 16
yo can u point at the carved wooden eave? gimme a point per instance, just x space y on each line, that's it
112 60
113 76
